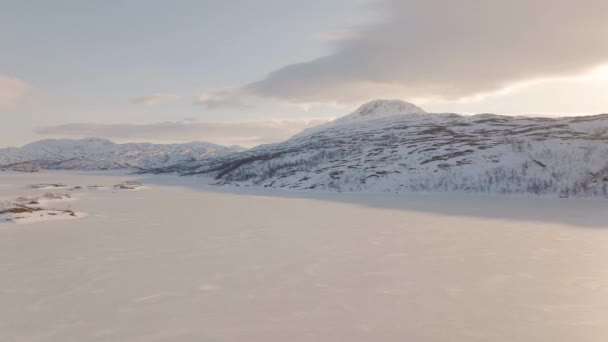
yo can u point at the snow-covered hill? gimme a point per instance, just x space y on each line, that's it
396 147
102 154
370 111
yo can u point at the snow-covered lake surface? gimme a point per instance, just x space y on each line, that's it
176 261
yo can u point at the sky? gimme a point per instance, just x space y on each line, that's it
242 72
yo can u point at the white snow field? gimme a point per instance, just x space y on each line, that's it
175 261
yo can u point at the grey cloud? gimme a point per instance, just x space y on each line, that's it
245 133
449 49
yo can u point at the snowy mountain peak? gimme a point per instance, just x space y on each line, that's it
383 108
379 109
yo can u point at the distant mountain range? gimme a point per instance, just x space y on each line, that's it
103 154
393 146
384 146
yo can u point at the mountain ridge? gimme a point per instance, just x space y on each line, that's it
484 153
103 154
383 146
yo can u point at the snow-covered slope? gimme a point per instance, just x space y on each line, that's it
395 147
102 154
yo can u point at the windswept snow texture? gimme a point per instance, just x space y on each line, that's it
102 154
391 146
179 262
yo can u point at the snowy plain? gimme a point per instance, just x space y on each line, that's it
181 261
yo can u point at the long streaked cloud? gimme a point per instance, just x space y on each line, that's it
231 98
13 92
449 49
157 99
219 99
244 133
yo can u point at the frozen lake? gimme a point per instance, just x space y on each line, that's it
176 261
